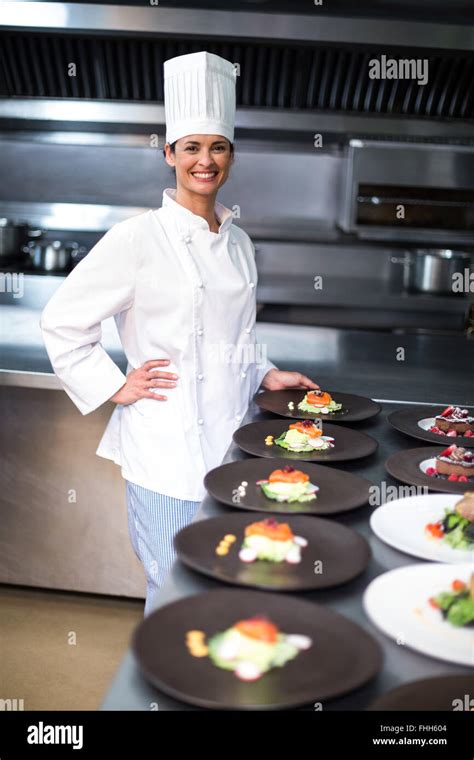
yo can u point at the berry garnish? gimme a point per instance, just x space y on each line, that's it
447 412
287 468
453 478
430 471
270 522
447 452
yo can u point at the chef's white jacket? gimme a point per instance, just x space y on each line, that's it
176 291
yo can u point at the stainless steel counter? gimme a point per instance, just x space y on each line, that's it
399 365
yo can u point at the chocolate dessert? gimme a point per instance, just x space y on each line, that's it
454 418
455 461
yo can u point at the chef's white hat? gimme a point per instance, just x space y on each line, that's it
199 96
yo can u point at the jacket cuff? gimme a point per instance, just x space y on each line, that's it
98 392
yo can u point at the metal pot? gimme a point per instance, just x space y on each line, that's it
431 270
47 256
12 236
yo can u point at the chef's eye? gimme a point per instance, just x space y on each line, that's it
191 148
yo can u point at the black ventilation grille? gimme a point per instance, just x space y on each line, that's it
329 77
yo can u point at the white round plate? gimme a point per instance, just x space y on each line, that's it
397 603
401 523
426 423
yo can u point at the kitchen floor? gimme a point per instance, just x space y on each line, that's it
60 651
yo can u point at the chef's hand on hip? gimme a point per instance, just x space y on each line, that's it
140 382
278 379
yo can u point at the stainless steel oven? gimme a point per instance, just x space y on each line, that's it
415 192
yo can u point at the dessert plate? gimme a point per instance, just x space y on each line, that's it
354 408
410 466
430 694
339 491
334 554
349 444
402 524
341 658
416 422
397 602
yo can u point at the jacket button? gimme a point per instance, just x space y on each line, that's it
243 374
200 421
200 331
238 416
201 284
248 330
234 242
252 284
200 376
187 239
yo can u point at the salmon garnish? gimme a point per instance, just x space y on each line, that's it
320 398
259 628
270 528
288 475
309 429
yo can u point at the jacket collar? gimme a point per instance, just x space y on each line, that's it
188 221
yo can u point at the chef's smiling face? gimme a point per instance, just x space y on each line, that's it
202 162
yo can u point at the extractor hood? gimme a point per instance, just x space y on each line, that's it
298 74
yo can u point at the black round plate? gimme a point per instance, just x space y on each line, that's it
349 444
404 466
354 408
334 554
342 656
406 421
429 694
339 491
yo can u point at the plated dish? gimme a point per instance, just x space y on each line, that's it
431 526
302 436
245 484
317 402
454 421
276 552
288 484
407 605
456 463
456 603
432 467
330 406
270 540
306 442
449 424
249 648
456 527
297 652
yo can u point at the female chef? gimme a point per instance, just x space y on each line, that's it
180 282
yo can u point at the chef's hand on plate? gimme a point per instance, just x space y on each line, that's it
140 382
279 379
